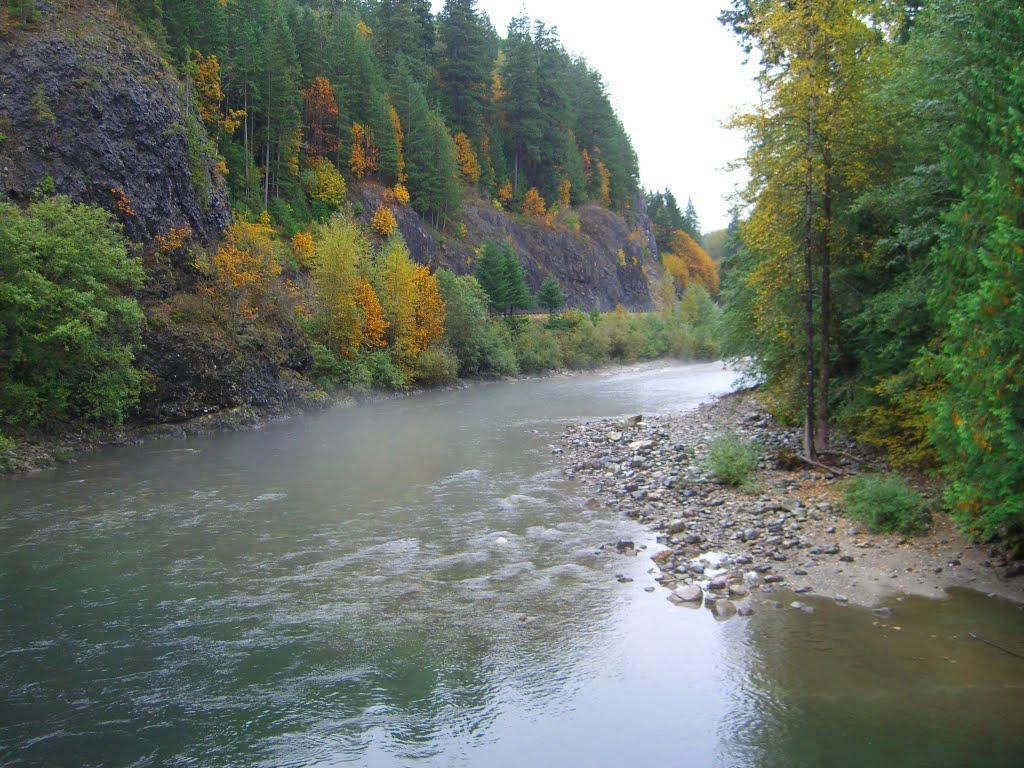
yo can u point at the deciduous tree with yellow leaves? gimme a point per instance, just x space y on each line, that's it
243 269
809 140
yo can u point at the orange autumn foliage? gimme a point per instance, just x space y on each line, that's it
365 157
430 310
302 245
505 192
244 267
321 110
174 239
564 193
604 190
466 158
398 194
384 221
588 167
371 330
121 201
291 150
206 79
687 262
396 127
533 203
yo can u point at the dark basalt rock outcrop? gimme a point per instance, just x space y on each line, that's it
192 366
585 262
87 102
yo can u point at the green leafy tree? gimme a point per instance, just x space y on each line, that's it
979 273
68 331
810 142
482 346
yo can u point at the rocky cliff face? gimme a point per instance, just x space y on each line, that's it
587 262
87 102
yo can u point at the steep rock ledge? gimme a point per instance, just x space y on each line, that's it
86 101
585 262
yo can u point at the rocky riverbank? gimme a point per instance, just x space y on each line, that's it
733 549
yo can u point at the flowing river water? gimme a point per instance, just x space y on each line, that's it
416 582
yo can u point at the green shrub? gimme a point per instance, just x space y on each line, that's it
732 458
565 321
384 372
332 372
482 345
885 504
622 337
67 331
655 333
437 364
497 355
583 347
537 350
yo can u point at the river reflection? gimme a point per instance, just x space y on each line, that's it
847 687
416 581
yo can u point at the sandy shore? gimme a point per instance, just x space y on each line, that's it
734 547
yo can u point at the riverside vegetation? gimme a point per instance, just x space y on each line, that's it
875 277
375 319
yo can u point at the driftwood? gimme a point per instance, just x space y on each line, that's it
849 457
819 465
996 646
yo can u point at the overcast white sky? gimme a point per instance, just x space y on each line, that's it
674 75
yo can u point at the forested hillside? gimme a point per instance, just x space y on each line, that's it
294 91
876 270
220 207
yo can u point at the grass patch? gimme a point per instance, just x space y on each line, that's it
886 504
732 459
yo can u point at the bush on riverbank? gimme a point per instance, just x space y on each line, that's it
68 324
732 459
885 504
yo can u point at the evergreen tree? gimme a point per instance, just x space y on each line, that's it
501 275
551 296
520 107
404 29
979 271
465 66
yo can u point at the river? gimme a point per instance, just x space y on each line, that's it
416 581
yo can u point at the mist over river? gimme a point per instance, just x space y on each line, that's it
416 581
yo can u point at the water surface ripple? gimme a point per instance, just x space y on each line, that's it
416 581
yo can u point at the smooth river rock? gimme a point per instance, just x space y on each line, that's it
723 609
689 593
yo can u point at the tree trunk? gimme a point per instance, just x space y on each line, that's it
824 368
245 129
809 269
266 173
